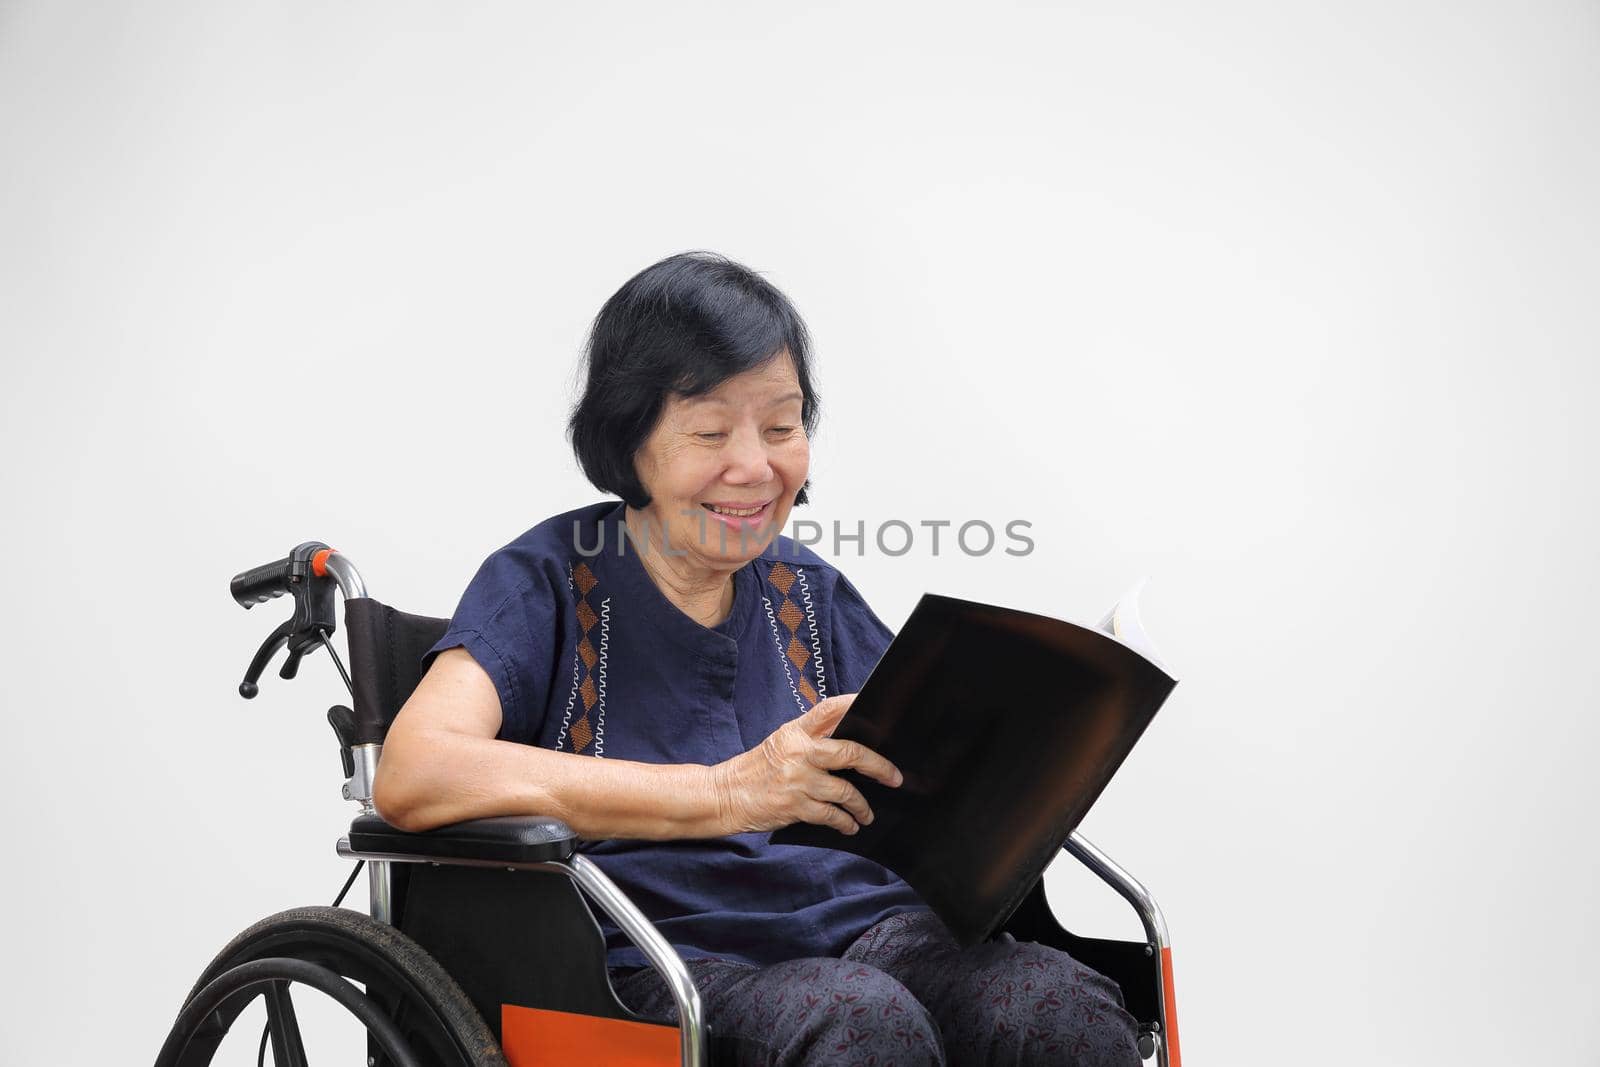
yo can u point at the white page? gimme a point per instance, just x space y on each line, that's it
1123 623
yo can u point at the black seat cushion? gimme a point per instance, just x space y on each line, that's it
502 839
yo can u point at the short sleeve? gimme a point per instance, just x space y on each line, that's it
859 638
508 621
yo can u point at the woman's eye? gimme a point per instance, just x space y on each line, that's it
782 431
711 435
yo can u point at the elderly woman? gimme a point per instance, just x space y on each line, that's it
663 674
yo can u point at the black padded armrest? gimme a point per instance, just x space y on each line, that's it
503 839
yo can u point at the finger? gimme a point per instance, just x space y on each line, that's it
825 715
829 815
836 790
837 755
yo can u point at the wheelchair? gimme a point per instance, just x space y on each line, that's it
479 947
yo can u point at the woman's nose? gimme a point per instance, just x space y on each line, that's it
747 459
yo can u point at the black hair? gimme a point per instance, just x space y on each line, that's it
684 325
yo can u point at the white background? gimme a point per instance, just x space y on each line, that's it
1290 306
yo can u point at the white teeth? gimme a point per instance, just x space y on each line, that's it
738 513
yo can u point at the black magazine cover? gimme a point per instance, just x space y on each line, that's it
1007 726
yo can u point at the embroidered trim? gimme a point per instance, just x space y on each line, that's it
816 639
795 653
778 643
589 666
572 697
605 644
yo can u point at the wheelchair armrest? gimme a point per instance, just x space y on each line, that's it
502 839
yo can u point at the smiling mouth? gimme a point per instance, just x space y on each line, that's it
736 512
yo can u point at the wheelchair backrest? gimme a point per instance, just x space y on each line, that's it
519 943
386 649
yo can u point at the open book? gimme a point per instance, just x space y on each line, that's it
1007 726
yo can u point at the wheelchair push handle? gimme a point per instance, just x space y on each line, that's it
261 584
312 574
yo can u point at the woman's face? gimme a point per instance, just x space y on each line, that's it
739 447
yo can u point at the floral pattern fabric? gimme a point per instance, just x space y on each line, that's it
905 994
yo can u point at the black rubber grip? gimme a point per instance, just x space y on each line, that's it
260 584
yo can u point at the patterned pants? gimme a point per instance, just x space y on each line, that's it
905 993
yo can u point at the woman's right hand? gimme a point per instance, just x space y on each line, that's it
786 779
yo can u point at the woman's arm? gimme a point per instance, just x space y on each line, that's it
441 764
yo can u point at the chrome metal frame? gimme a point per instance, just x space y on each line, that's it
1155 924
358 787
615 903
345 574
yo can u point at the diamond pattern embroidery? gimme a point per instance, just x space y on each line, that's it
583 732
789 613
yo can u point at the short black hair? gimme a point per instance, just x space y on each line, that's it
684 325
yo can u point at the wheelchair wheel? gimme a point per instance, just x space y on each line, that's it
413 1011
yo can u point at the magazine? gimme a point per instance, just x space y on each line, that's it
1007 726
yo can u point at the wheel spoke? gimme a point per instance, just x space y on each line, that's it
287 1048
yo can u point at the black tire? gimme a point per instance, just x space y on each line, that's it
437 1020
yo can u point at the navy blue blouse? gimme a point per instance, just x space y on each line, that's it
590 657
